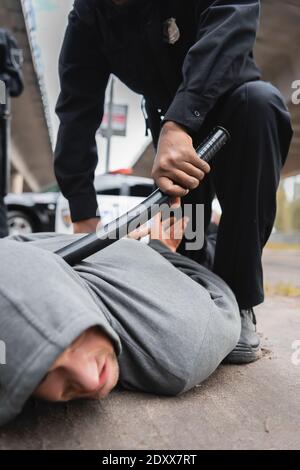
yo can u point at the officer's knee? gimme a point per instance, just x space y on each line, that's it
262 96
256 98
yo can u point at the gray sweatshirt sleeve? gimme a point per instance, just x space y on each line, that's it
175 327
176 320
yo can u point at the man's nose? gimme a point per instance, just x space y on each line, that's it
85 373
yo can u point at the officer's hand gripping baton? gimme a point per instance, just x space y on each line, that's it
139 215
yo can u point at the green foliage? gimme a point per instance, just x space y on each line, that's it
288 213
283 217
295 215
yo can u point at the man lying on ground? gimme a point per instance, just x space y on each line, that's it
139 316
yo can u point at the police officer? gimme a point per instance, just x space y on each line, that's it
193 63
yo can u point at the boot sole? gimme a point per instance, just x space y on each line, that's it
243 354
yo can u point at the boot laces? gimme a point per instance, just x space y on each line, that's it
250 312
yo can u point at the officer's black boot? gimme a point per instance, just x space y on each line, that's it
248 349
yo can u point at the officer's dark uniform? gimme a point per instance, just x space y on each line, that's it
207 77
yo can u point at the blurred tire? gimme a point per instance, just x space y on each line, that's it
19 223
3 220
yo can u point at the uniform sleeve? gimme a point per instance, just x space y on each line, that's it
84 74
226 35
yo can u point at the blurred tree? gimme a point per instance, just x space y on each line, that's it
295 215
284 216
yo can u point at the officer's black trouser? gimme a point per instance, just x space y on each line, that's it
245 176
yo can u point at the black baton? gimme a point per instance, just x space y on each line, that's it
139 215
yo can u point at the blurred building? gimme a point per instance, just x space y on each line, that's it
277 53
296 194
31 148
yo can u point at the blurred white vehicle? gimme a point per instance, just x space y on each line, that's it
116 195
31 212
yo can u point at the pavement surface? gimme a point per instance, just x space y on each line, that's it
282 267
256 406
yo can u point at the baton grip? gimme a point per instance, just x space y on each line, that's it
139 215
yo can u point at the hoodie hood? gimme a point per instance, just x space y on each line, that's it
39 318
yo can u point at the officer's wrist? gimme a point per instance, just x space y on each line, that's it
172 125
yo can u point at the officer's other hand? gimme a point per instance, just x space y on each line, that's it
177 167
87 225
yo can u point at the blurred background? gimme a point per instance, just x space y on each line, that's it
125 153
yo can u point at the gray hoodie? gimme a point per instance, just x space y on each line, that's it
169 332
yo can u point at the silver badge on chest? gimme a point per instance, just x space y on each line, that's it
171 31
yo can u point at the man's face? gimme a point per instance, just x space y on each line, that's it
87 369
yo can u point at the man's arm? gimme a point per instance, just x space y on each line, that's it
84 75
225 37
